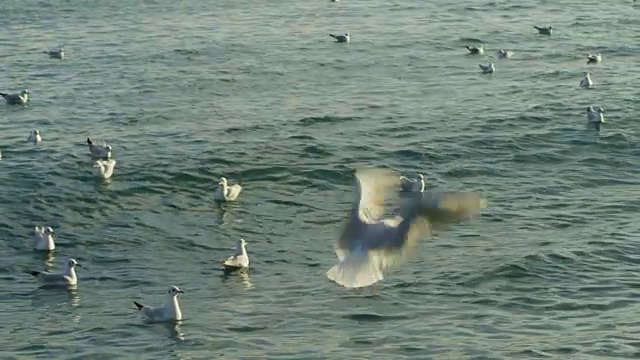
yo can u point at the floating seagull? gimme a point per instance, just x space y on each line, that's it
239 260
35 137
105 167
167 312
593 58
56 53
488 69
66 278
475 50
412 185
595 117
16 99
370 245
225 192
544 30
99 151
0 155
504 54
586 81
44 238
346 38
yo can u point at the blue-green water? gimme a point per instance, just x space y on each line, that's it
188 91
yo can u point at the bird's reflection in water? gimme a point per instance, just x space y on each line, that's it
224 217
173 329
48 258
241 276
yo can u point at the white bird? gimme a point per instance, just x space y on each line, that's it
504 54
595 117
346 38
105 167
544 30
99 151
370 245
0 155
16 99
593 58
224 192
170 311
239 260
56 53
475 50
488 69
44 238
586 81
66 278
413 185
35 137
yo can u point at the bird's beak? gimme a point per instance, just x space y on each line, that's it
78 264
180 291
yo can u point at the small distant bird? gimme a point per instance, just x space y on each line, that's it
99 151
0 155
239 260
44 239
35 137
413 185
593 58
16 99
545 30
105 167
56 53
595 117
586 81
346 38
488 69
224 192
504 54
170 311
66 278
473 50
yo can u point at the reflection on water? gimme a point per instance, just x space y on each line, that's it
241 276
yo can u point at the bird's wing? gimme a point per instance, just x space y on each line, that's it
445 207
48 278
234 191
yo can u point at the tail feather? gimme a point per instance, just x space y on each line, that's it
34 273
3 94
355 271
138 305
89 141
333 36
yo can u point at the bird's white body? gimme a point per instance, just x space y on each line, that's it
586 82
56 53
16 99
34 137
488 69
170 311
239 260
105 167
475 50
544 30
594 58
504 54
224 192
44 239
66 278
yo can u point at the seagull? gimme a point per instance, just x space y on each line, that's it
544 30
504 54
16 99
239 260
488 69
346 38
412 185
167 312
99 151
35 137
225 192
0 155
66 278
586 82
44 239
105 167
369 245
475 50
56 53
593 58
595 117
